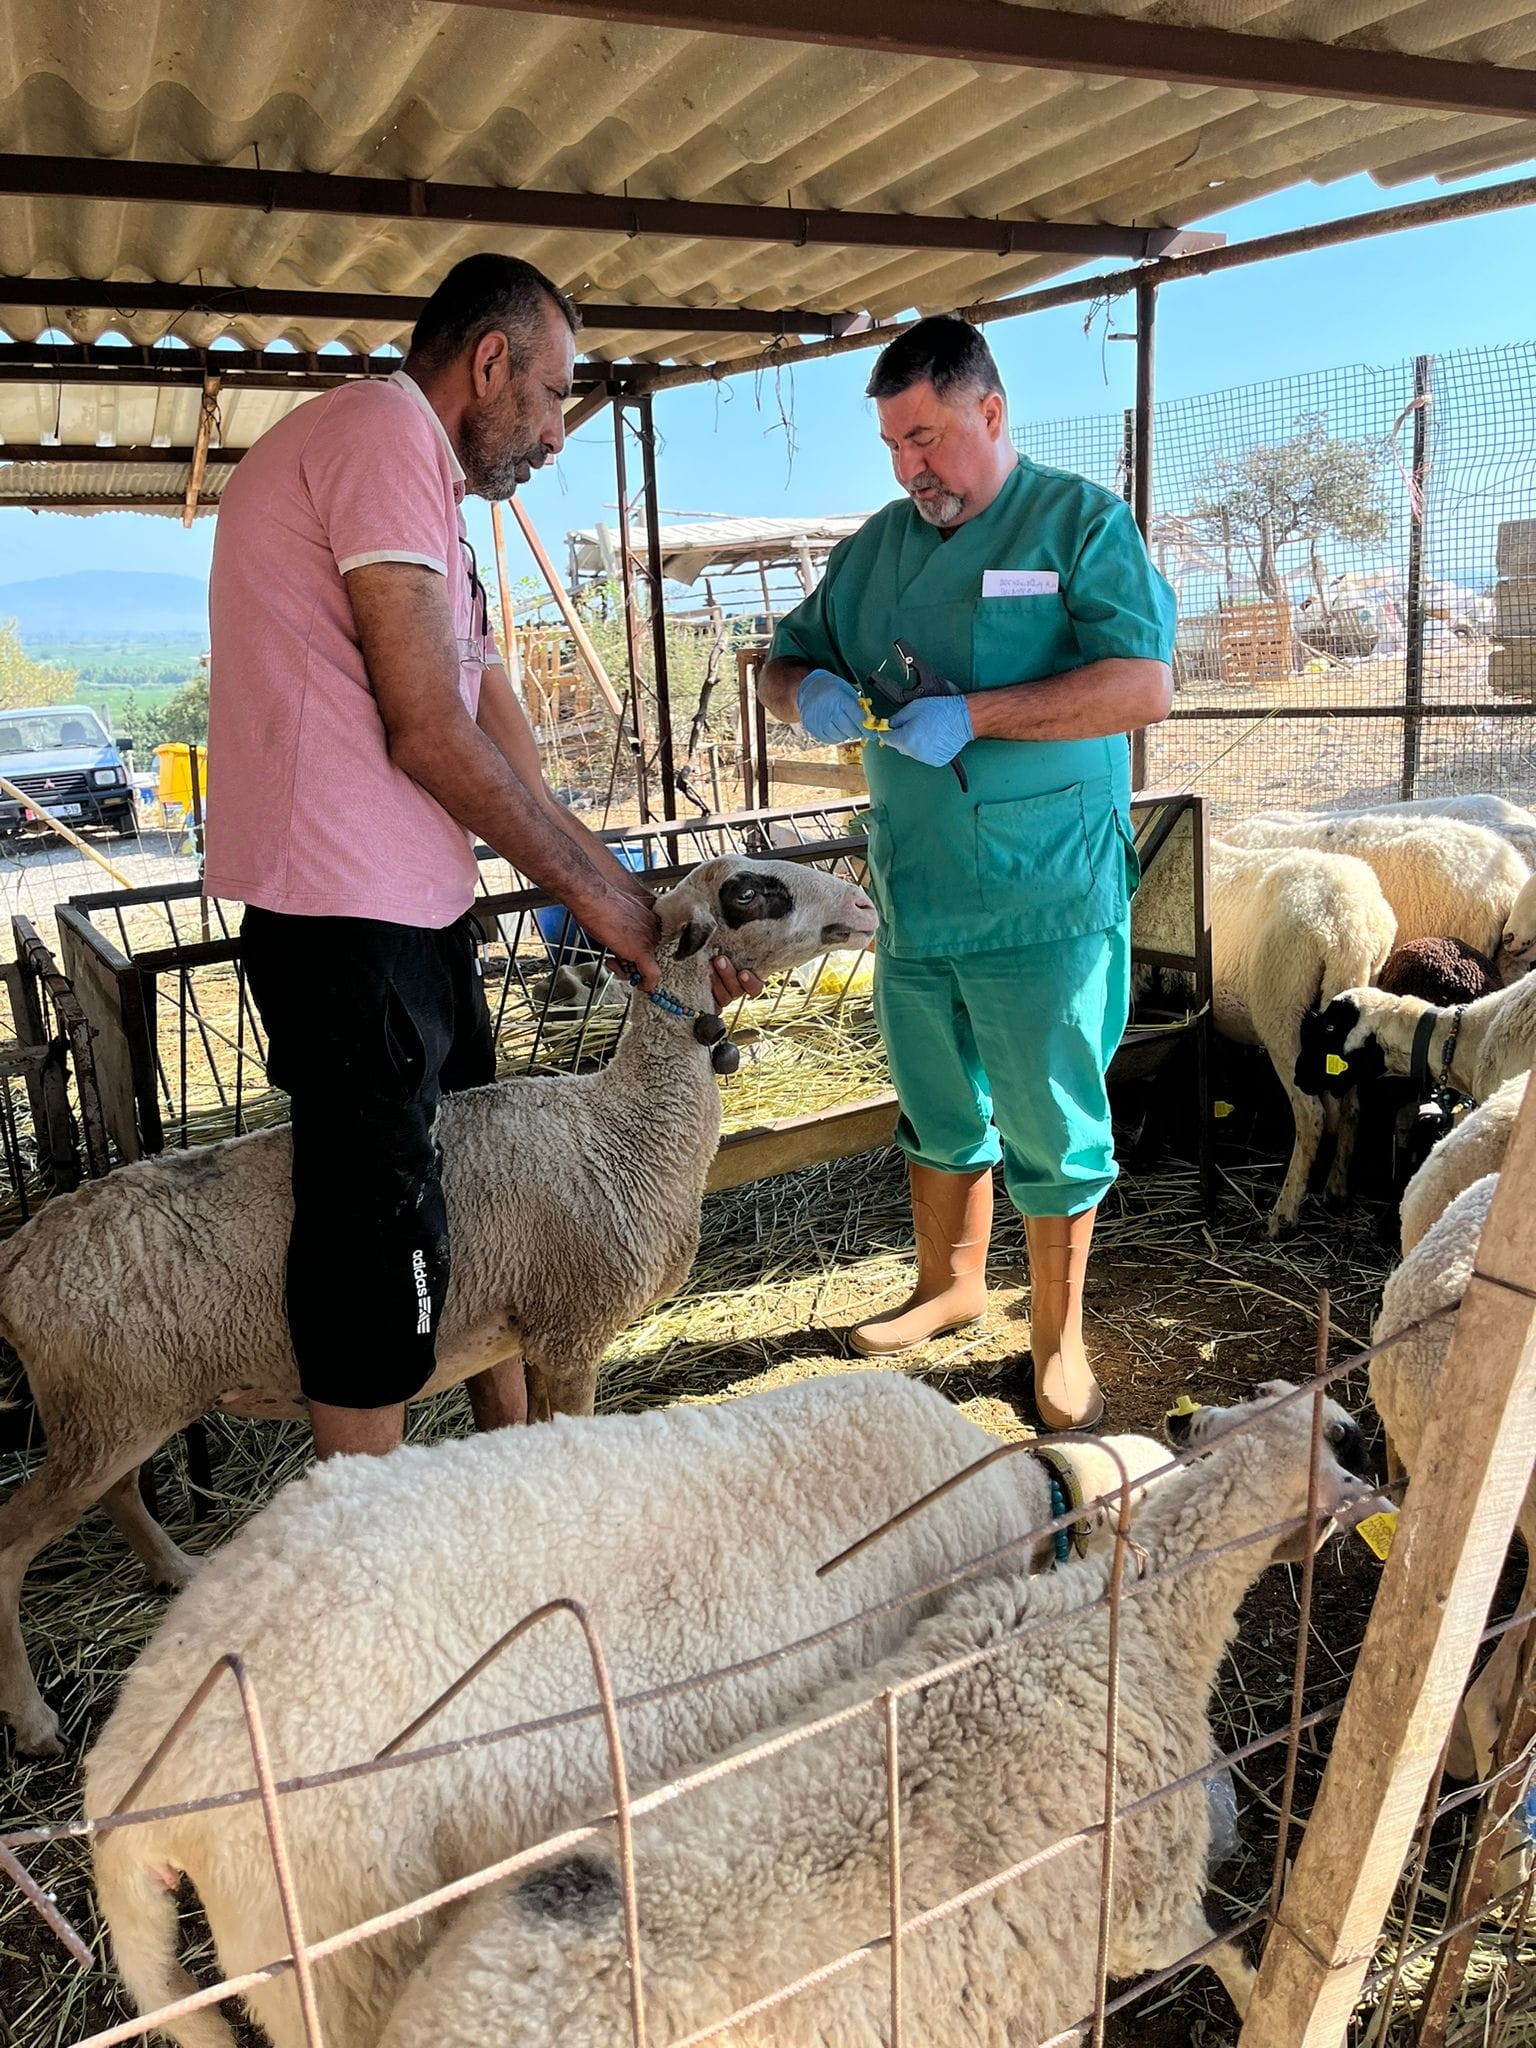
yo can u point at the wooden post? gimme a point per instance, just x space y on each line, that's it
573 625
1459 1514
205 425
511 653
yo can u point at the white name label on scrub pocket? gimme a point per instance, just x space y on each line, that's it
1019 582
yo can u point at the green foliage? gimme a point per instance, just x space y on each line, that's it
26 680
1299 491
182 717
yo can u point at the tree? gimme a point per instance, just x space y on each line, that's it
1299 491
24 680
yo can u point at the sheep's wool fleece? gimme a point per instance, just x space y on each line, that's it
1476 1146
1405 1378
691 1535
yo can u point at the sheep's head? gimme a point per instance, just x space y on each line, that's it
1517 947
1280 1431
1339 1049
766 915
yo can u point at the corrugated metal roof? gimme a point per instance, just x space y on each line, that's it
412 88
86 487
131 418
134 416
691 547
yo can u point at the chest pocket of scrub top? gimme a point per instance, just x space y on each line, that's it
1021 640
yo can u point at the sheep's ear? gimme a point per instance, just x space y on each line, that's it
696 933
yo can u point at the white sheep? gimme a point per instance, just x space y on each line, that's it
692 1535
1288 931
1492 813
758 1879
1405 1381
573 1204
1476 1146
1364 1033
1443 878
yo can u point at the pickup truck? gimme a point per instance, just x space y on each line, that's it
64 757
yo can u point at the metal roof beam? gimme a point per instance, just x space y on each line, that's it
120 179
120 452
44 362
236 302
1043 39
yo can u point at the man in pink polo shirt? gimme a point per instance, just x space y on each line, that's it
365 732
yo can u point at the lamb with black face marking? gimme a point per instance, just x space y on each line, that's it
573 1204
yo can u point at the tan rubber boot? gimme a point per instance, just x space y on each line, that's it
1067 1395
952 1221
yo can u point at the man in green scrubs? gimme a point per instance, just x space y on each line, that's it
1003 973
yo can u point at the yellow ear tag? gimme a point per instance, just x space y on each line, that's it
1377 1531
1335 1065
1186 1406
1221 1109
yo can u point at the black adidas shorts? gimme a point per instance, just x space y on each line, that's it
368 1025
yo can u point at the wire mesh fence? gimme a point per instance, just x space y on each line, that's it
1354 555
946 1853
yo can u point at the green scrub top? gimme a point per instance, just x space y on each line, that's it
1040 847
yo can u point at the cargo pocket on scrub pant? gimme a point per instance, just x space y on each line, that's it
1034 859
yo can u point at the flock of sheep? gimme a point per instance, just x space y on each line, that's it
694 1541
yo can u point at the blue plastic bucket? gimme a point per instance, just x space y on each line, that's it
567 943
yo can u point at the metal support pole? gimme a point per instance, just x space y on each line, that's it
631 616
1128 456
658 608
1141 502
1413 665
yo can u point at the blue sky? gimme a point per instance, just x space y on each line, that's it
724 449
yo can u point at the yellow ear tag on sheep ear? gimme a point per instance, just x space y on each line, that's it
1186 1406
1377 1531
1221 1109
1335 1064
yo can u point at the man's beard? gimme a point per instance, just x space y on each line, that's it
496 454
947 509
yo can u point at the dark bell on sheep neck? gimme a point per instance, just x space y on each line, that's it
725 1058
709 1029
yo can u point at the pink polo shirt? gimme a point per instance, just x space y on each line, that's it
307 813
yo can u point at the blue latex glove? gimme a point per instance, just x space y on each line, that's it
934 729
829 708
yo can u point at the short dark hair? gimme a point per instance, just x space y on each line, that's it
479 294
944 351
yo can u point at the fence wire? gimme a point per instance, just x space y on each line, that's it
1354 555
1461 1866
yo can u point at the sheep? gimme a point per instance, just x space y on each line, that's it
1405 1379
1288 930
749 1883
1441 971
1518 945
1364 1033
1442 877
573 1202
1476 1146
690 1534
1492 813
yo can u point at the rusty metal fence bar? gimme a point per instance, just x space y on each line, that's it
159 970
884 1706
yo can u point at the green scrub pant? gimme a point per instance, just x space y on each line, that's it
1003 1056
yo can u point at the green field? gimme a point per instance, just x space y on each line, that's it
104 666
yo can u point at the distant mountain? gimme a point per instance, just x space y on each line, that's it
106 604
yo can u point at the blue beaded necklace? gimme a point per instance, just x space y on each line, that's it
708 1029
